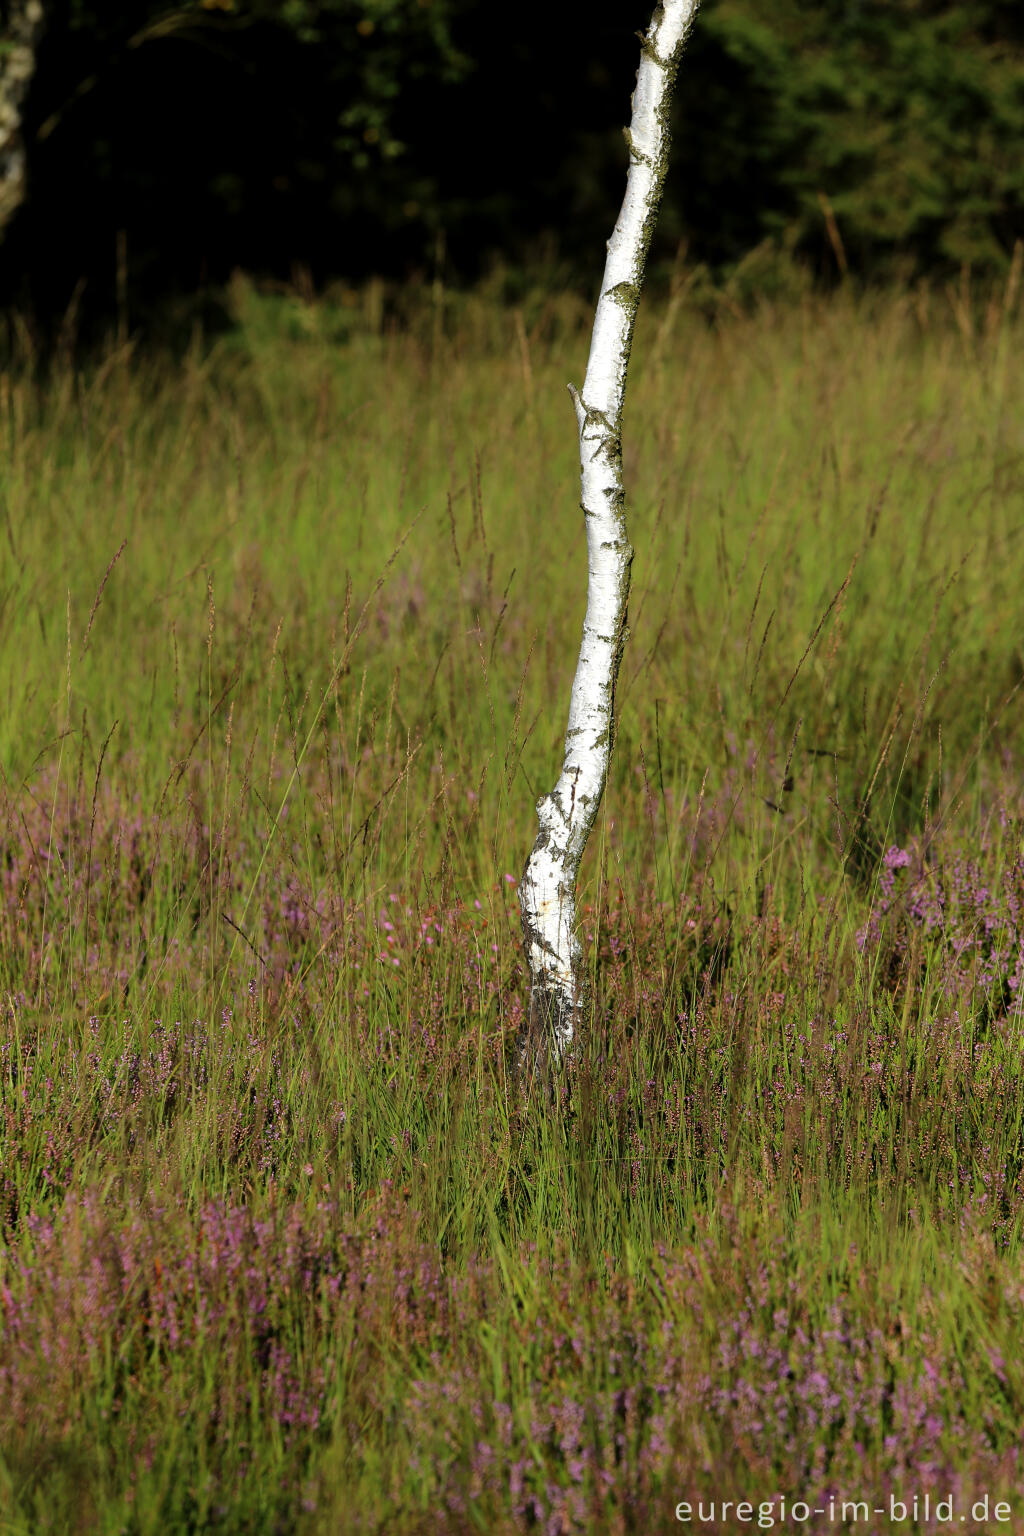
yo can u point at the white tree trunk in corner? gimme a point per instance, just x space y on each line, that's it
19 38
547 891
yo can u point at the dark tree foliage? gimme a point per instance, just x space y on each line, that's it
907 116
347 135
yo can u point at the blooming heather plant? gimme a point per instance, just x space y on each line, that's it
592 1395
959 907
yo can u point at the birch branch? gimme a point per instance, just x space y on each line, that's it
547 891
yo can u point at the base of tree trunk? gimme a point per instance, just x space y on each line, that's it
545 1044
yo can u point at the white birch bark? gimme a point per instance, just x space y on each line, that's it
18 42
547 891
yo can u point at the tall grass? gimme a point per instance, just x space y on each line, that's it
287 629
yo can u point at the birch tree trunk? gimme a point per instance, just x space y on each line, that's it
547 891
19 36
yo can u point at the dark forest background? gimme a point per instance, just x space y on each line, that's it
168 146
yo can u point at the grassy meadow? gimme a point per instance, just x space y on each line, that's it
287 629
